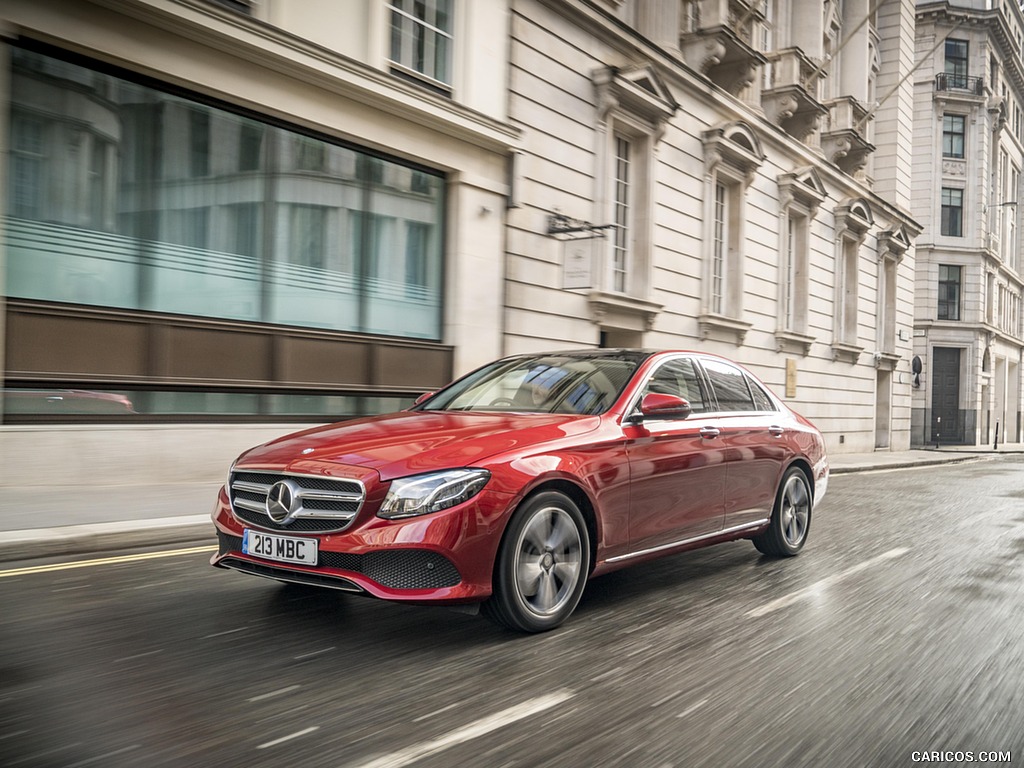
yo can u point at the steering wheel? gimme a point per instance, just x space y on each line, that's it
502 401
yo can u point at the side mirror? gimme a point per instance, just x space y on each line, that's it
658 406
424 396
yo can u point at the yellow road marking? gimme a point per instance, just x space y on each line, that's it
104 561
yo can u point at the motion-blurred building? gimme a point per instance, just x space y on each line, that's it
241 214
230 216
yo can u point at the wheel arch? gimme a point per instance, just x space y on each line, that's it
580 498
804 466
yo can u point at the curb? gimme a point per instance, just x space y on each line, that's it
907 464
98 537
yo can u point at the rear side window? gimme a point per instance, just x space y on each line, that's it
679 377
730 386
762 401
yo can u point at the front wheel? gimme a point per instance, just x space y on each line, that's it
791 517
542 565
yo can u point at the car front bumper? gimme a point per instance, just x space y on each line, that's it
444 557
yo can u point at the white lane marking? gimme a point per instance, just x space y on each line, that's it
694 708
138 656
435 713
661 701
104 757
104 561
47 753
225 632
289 737
278 692
816 587
471 731
310 655
153 584
603 675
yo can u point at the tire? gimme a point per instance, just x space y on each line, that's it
542 565
791 517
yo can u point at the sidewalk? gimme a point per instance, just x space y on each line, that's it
62 520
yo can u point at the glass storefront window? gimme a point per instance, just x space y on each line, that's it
122 195
24 404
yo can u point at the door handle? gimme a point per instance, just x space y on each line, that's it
709 432
775 431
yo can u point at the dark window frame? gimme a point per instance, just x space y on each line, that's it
954 133
952 224
950 289
957 53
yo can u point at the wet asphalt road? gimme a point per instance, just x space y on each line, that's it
897 631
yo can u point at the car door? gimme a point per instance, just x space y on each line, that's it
677 467
753 438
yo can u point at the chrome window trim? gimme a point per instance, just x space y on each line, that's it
634 406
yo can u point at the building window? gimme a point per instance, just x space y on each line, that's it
795 262
283 247
27 159
627 181
421 38
633 105
310 154
892 247
250 146
800 195
853 220
621 213
956 63
886 310
199 142
848 277
953 136
952 212
308 241
949 292
726 251
732 153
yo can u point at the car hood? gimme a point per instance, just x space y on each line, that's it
412 442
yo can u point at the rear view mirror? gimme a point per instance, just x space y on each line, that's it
659 406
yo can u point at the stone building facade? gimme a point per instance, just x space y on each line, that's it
968 336
225 217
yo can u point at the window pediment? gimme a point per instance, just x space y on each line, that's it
638 91
803 187
855 217
734 144
893 243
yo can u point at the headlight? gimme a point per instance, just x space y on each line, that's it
423 494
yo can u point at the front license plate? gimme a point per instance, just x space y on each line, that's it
285 549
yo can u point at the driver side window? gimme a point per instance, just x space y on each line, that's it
678 377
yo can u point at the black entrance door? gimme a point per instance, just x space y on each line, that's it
946 424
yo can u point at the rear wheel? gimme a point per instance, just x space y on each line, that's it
791 517
542 565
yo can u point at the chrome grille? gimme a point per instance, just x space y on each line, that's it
324 504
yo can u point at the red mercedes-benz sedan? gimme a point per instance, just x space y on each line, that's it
514 485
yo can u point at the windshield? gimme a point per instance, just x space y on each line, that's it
544 384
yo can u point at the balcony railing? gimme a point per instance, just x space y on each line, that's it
945 81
